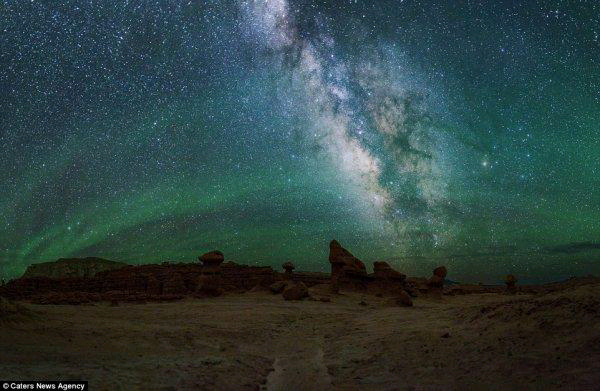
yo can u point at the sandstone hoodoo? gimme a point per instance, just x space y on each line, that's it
210 281
436 282
343 263
511 283
212 259
289 269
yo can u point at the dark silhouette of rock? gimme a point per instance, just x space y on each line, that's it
404 300
295 291
343 262
174 285
210 283
436 282
71 267
440 271
278 286
153 287
289 269
212 259
511 283
383 271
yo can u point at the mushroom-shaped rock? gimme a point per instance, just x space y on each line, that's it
511 283
213 258
296 291
343 262
211 263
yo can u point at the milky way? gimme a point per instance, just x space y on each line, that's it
416 132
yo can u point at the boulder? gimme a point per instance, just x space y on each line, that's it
295 291
404 300
278 286
436 282
440 271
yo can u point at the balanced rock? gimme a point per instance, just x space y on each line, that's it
295 291
213 258
343 263
383 271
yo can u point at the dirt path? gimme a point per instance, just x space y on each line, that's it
299 360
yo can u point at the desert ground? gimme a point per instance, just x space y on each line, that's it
256 340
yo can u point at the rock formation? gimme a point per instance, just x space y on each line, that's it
289 269
343 263
384 272
174 285
404 299
511 283
295 291
71 267
278 286
436 282
211 281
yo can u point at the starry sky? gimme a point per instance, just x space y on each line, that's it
464 133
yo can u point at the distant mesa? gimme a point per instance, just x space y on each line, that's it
72 267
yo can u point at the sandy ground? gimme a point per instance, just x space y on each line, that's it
259 341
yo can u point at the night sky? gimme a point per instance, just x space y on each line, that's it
464 133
